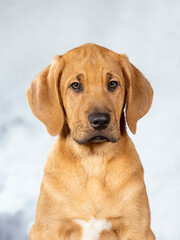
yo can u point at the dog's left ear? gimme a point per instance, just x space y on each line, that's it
139 93
44 96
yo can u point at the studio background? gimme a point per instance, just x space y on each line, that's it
32 33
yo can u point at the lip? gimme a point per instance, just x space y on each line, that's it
98 139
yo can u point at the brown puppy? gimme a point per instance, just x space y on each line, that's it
93 185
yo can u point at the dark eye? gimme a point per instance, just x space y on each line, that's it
76 86
112 85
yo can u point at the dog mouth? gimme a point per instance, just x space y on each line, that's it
99 139
96 139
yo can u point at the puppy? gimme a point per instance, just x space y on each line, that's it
93 184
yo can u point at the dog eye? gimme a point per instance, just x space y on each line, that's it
76 86
112 85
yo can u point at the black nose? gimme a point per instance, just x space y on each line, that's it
99 121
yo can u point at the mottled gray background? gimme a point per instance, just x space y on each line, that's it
31 34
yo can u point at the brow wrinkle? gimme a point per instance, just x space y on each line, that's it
79 77
109 75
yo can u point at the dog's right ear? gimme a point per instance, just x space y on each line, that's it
44 96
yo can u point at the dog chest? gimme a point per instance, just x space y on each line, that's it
92 229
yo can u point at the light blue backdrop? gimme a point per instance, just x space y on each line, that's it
32 33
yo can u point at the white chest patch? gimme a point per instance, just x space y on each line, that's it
92 229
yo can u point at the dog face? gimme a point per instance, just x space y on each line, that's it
92 84
92 89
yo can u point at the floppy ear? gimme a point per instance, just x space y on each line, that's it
44 99
139 93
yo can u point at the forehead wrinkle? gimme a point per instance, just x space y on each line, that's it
94 73
91 61
89 66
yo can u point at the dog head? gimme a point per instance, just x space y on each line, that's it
87 89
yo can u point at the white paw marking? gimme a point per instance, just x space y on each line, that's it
92 229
